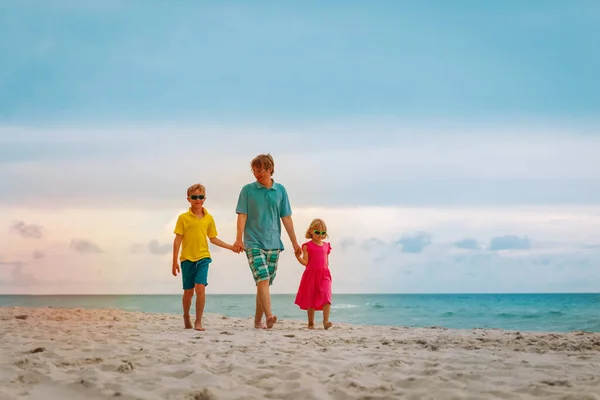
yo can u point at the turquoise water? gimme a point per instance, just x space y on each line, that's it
525 312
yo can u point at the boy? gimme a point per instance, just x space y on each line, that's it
191 231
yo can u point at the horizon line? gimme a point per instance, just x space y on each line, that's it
287 294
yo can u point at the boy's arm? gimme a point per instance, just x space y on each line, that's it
176 246
288 223
241 224
303 259
218 242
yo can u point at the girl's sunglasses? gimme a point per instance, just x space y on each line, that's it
320 232
197 197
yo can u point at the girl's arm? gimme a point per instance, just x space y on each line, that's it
303 259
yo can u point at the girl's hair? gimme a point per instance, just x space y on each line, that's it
195 187
264 161
316 224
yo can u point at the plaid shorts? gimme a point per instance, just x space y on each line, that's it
263 264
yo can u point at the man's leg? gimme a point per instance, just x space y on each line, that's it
264 297
272 259
257 261
200 301
258 313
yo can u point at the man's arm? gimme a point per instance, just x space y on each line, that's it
288 223
241 224
176 245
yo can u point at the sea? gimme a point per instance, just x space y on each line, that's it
556 312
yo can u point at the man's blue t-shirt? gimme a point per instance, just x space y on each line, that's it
265 208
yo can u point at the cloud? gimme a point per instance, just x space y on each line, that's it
20 277
415 243
152 247
467 244
347 243
373 244
555 168
16 264
32 231
84 246
37 255
156 248
510 242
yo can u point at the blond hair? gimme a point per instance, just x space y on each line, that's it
196 187
316 224
264 161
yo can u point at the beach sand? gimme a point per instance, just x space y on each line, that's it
52 353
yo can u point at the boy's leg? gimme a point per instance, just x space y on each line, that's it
187 304
326 323
201 281
311 318
188 291
200 301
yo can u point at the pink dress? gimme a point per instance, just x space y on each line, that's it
315 286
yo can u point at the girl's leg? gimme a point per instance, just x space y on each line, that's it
326 323
311 318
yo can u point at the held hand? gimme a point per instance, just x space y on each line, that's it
175 270
238 246
297 250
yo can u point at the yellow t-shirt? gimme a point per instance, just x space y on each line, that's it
194 230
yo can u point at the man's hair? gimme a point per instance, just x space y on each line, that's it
264 161
195 187
316 225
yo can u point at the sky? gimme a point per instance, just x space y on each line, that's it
450 148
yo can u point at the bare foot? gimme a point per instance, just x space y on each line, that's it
271 321
311 327
187 321
261 326
198 326
327 324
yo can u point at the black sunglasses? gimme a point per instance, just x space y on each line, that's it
320 232
197 197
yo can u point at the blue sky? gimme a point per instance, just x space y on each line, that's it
449 147
108 61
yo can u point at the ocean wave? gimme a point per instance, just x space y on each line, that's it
344 306
556 313
531 315
375 305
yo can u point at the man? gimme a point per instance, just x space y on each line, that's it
262 207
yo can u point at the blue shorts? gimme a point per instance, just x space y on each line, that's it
194 273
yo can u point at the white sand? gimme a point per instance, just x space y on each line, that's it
98 354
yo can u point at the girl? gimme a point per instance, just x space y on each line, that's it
314 292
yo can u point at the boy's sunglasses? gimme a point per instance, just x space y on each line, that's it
320 232
197 197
